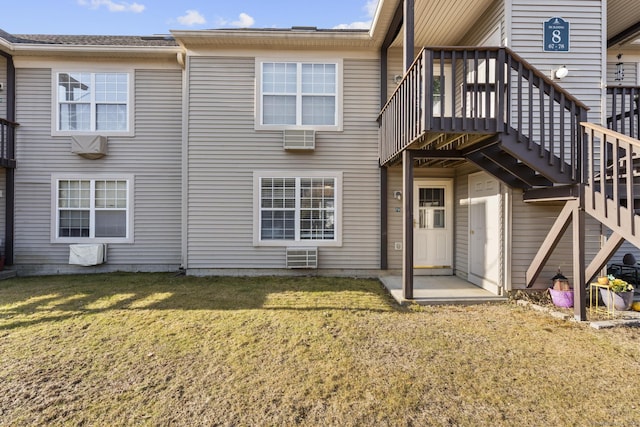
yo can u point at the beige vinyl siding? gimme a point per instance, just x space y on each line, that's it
394 68
630 73
225 150
152 156
462 219
486 25
585 58
530 224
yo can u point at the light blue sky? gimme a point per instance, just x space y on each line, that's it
144 17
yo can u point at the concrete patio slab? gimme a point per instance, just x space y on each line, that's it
437 290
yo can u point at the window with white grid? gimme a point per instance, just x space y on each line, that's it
92 102
297 208
88 209
299 94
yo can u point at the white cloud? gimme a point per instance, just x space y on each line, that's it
113 6
244 21
357 25
192 17
370 8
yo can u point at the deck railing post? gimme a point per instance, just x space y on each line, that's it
500 88
427 84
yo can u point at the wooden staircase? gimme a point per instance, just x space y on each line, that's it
490 107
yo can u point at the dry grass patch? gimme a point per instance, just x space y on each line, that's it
153 349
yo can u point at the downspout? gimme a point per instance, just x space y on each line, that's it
183 61
10 172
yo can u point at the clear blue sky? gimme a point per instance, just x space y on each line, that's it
145 17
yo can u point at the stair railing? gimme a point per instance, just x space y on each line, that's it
623 102
610 192
481 90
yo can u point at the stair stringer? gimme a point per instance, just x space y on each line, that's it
543 161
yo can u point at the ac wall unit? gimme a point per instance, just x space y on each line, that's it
299 139
88 254
89 146
302 257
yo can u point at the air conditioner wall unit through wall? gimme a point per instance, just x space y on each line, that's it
302 257
299 140
88 254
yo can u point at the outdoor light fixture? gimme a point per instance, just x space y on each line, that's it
397 78
397 194
619 69
560 73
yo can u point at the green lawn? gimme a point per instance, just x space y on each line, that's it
155 349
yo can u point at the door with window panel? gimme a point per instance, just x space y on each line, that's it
433 225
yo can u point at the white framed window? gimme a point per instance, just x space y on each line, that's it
92 102
299 94
92 209
297 208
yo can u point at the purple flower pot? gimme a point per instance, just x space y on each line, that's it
562 299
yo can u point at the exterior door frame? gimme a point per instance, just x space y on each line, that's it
503 281
448 184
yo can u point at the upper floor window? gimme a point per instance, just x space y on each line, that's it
93 102
299 95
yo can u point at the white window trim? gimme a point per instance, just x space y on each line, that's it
257 175
339 94
55 111
55 211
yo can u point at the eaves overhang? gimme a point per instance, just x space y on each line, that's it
77 51
295 38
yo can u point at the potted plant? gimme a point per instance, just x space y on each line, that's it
561 292
618 295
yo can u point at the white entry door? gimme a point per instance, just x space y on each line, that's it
433 227
484 231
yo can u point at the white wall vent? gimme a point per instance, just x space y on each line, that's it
89 146
302 257
88 254
299 139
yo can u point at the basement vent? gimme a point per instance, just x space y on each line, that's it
302 257
88 254
89 146
299 139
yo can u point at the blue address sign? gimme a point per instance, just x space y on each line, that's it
556 35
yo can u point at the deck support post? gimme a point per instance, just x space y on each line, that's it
409 41
579 284
407 224
384 218
9 233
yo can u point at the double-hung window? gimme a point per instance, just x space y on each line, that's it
92 209
297 208
93 102
299 95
